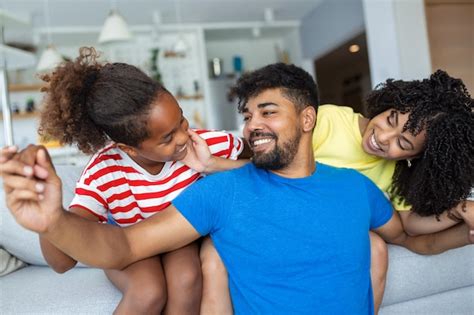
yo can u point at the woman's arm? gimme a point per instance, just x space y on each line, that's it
56 259
429 244
415 224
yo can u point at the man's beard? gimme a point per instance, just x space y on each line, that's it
281 156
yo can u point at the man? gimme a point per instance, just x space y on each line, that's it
293 234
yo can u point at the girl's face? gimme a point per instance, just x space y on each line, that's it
383 137
168 135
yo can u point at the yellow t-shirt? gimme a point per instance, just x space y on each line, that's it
337 141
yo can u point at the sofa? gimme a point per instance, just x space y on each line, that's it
440 284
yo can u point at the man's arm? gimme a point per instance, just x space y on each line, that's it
34 198
110 247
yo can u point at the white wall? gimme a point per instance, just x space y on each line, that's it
397 40
329 25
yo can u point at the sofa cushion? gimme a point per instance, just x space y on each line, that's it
22 243
412 276
39 290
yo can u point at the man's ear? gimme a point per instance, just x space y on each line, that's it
308 118
127 149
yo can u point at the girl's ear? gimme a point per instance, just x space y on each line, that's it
308 118
127 149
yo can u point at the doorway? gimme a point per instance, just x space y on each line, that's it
343 74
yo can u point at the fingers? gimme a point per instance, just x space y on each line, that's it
28 155
15 167
195 137
13 182
7 153
19 195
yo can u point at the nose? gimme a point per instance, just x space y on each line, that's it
385 136
182 135
253 123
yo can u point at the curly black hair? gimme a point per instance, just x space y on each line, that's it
88 103
442 176
297 85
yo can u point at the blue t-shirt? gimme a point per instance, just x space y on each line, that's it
291 246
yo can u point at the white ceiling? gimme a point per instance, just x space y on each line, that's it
140 12
83 15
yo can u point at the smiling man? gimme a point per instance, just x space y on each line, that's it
292 233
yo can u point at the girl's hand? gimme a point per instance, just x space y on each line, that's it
198 156
32 188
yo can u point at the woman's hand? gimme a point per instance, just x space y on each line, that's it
465 211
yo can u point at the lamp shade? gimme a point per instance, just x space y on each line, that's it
49 59
115 29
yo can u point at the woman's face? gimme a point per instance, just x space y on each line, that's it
384 137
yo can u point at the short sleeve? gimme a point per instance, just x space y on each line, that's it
380 207
206 203
89 198
222 144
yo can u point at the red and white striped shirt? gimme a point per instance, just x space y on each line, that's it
113 185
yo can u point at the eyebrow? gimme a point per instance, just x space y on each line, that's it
261 105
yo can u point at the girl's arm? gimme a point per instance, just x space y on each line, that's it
56 259
415 224
200 158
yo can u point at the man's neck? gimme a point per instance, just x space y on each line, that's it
303 165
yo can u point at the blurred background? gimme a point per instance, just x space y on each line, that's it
198 48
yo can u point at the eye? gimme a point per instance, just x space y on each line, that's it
390 119
167 140
246 118
399 142
268 113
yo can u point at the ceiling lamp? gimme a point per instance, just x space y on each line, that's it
180 47
115 29
50 57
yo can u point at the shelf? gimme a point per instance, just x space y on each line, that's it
16 58
25 87
22 115
190 97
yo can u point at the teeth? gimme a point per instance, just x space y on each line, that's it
261 141
374 143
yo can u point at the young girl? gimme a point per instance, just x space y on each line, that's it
140 139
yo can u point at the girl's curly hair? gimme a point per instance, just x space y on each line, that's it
442 176
88 103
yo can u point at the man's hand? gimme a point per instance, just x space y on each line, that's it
32 188
198 156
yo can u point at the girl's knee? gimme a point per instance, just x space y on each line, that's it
187 280
146 297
